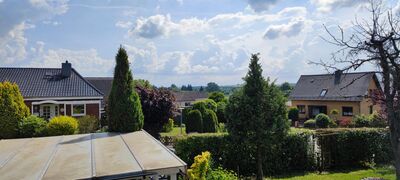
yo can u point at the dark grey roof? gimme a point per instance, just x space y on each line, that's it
103 84
182 96
47 82
352 87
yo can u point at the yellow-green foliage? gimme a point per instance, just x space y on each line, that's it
88 124
198 170
12 109
62 125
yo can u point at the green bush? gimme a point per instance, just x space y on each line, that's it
210 121
291 156
12 110
322 120
354 147
293 114
377 120
32 126
221 112
88 124
168 126
221 174
194 122
361 120
205 104
62 125
310 124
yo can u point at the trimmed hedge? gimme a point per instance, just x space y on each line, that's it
322 120
353 147
292 155
310 124
210 121
340 148
88 124
194 121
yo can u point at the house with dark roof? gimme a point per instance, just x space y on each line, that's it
348 93
187 98
50 92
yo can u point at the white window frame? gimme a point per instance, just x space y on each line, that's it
323 92
81 114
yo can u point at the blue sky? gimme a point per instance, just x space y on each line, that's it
175 41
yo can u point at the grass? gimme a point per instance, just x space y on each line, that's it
176 131
385 172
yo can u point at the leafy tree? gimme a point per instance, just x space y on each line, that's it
293 114
257 115
375 41
124 111
157 107
142 83
286 88
173 87
212 87
218 97
12 110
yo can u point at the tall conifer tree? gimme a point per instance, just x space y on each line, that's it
257 115
124 108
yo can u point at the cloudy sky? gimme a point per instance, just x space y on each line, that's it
175 41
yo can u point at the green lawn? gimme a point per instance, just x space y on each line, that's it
382 172
176 131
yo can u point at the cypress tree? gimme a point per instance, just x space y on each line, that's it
256 116
124 109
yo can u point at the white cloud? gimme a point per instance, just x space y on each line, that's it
162 25
13 45
123 24
293 28
261 5
86 62
330 5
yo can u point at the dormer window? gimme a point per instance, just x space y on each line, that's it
323 92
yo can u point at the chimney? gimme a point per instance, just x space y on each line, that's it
338 75
66 69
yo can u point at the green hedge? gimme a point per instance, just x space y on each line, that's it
341 148
292 155
194 121
352 147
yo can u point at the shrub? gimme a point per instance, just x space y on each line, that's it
88 124
32 126
309 123
210 121
293 154
222 174
12 109
377 120
322 121
354 147
205 104
361 120
346 122
293 114
194 122
168 126
62 125
201 166
221 112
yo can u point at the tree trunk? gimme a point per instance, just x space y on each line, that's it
396 150
260 175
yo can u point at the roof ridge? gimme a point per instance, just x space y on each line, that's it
26 68
330 74
87 82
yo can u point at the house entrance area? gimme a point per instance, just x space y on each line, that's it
47 109
315 110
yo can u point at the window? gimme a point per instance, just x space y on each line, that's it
46 112
347 111
78 110
323 92
371 109
56 110
302 109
